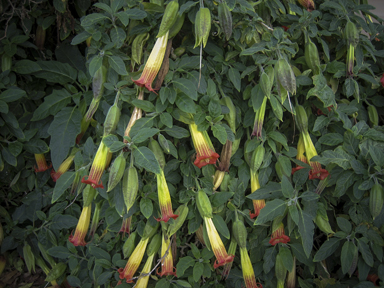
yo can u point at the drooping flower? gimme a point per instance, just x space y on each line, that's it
143 279
246 267
200 235
300 154
167 267
217 245
316 172
308 4
350 60
153 64
231 251
98 166
291 279
41 163
164 198
259 119
133 261
82 227
205 153
278 235
257 204
63 167
95 219
126 226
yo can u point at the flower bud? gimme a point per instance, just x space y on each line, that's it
112 119
373 116
225 19
285 76
164 143
202 26
130 187
182 211
280 271
240 233
169 17
203 204
29 258
301 119
129 245
376 200
351 35
231 116
322 222
137 48
156 149
312 56
117 171
257 158
154 245
218 179
291 279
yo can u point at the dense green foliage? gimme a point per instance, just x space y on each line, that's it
315 73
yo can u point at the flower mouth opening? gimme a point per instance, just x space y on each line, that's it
223 261
92 182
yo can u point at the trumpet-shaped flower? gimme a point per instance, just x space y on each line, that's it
300 154
278 235
217 245
143 279
95 219
164 199
316 172
98 166
133 261
126 226
82 227
259 119
167 262
204 149
350 60
62 168
257 204
153 64
231 251
41 163
246 267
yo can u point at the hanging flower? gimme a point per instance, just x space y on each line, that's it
257 204
153 64
231 251
278 235
259 119
82 227
204 149
133 261
95 219
217 245
316 172
98 166
62 168
307 4
143 280
300 154
246 267
126 226
167 263
41 163
164 199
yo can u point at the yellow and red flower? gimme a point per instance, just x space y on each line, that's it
246 267
62 168
164 199
316 172
300 154
167 267
82 227
259 119
98 166
278 235
205 153
143 280
257 204
153 64
217 245
133 261
41 163
231 251
126 226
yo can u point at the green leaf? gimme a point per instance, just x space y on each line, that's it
234 76
344 224
321 122
62 184
286 257
3 107
117 64
351 144
183 283
53 103
198 270
99 253
92 19
221 226
347 256
144 105
271 210
220 198
377 155
331 139
286 187
59 252
220 133
306 230
26 67
327 249
166 119
183 264
146 207
185 103
177 132
136 14
344 181
146 159
12 94
271 190
187 87
36 146
365 251
144 134
322 91
280 138
56 272
63 130
56 72
63 222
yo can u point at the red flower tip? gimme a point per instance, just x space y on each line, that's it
297 169
166 273
282 239
42 169
78 138
92 182
224 261
55 175
253 215
77 241
285 28
166 218
202 160
319 112
318 174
